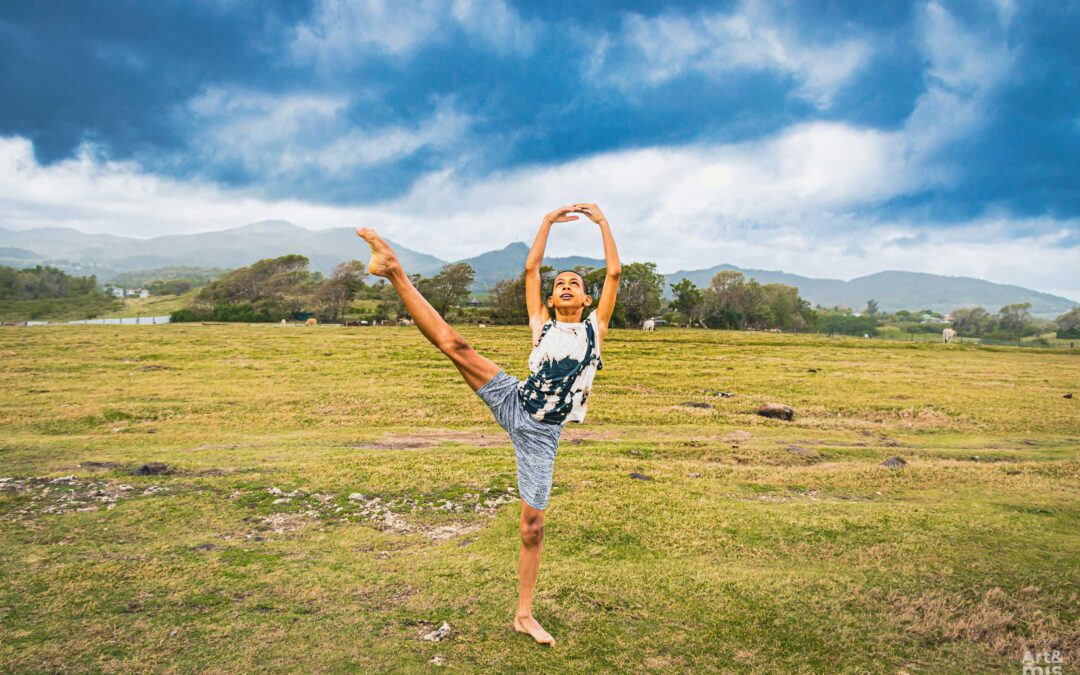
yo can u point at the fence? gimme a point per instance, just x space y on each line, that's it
127 321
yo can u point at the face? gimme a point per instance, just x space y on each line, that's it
568 292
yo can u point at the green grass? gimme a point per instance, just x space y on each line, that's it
56 309
154 305
339 491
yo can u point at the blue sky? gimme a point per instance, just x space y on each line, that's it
824 138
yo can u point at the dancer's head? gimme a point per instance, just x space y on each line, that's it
568 293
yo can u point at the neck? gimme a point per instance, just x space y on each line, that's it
568 315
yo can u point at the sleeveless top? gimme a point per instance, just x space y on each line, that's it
563 362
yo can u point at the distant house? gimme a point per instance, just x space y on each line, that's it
143 293
117 292
950 317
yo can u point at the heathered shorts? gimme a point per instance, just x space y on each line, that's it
535 442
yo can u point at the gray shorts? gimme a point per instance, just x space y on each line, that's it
535 442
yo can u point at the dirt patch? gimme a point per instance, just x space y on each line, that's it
1008 625
433 437
100 465
430 438
697 412
281 523
572 434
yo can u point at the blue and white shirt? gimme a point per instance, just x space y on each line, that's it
563 363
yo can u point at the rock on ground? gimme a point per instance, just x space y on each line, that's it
437 635
153 469
777 411
894 463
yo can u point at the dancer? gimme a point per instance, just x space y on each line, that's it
563 362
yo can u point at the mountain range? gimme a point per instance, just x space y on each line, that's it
108 256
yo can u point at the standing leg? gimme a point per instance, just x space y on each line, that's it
532 543
476 369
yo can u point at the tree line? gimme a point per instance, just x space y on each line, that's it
284 288
45 292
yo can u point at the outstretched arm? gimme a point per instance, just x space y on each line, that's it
538 314
606 306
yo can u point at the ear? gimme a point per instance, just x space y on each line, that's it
588 300
550 302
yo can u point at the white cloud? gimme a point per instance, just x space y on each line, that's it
795 202
651 50
341 32
303 134
964 67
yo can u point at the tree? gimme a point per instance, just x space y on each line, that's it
689 302
338 292
44 282
1068 324
390 305
971 322
268 290
640 288
449 288
727 300
1015 319
871 307
507 298
783 308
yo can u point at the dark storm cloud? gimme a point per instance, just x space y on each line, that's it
350 102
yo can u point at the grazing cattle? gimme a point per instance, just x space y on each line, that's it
311 322
948 334
648 325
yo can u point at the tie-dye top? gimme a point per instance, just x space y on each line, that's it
563 362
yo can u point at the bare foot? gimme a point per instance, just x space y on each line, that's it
383 261
529 626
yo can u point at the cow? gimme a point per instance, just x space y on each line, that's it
947 335
311 322
649 324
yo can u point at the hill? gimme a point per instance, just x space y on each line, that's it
109 256
895 290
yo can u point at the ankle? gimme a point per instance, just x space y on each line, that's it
523 614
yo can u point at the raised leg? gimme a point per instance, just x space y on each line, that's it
532 544
476 369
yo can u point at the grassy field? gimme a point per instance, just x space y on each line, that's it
155 305
336 493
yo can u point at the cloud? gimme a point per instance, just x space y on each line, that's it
342 32
965 66
649 51
822 196
795 202
308 136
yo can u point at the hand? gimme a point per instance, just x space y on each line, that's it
592 211
559 215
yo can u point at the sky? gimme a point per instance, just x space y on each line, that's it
828 138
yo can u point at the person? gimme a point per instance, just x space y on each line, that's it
564 360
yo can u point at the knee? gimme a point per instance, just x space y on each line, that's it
532 531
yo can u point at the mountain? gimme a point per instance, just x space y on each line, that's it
108 256
896 290
507 263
